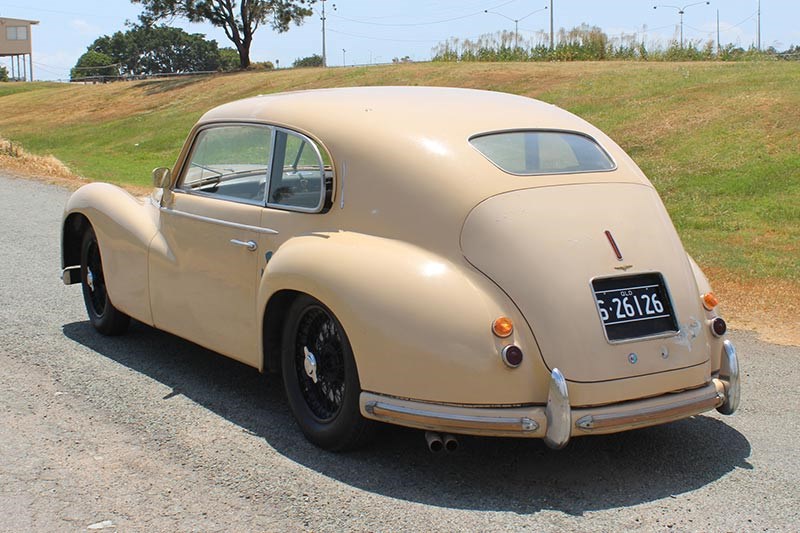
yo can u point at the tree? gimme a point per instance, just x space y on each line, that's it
158 49
239 19
94 64
3 73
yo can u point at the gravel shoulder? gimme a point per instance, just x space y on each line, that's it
150 432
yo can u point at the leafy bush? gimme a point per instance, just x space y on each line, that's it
261 65
94 65
228 59
310 61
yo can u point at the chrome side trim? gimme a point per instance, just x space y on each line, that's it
729 376
71 275
225 223
652 415
453 421
559 415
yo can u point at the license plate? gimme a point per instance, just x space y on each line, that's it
634 306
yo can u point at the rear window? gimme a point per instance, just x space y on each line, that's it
543 152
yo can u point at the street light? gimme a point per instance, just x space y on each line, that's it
344 63
681 10
515 21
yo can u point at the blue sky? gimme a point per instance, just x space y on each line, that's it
377 30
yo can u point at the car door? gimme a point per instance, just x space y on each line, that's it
204 265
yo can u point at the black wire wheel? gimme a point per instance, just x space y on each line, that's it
105 318
321 378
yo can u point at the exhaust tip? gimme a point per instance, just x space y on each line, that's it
434 440
450 443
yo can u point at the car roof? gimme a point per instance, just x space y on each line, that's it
399 111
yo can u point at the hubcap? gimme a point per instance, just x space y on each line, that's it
95 281
90 279
310 365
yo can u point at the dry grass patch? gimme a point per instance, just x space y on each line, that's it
16 160
770 307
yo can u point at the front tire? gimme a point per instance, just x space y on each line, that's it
321 378
105 318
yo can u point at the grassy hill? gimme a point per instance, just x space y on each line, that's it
720 141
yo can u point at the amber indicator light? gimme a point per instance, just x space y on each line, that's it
710 301
503 327
613 244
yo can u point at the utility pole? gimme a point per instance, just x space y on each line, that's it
551 25
759 25
717 32
324 54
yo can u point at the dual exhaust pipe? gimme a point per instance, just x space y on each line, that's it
438 442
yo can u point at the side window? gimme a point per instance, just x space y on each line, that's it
298 177
230 162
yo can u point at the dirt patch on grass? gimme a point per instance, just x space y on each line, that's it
770 307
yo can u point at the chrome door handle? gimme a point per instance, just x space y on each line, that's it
250 245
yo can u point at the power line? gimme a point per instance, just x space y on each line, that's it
58 12
729 28
384 38
415 24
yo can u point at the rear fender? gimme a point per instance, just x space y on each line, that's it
124 227
419 324
703 287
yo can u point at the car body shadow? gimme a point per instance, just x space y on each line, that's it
489 474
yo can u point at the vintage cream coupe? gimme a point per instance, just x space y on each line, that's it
459 261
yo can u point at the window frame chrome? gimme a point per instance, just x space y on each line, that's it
321 204
320 208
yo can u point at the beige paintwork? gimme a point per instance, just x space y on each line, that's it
425 243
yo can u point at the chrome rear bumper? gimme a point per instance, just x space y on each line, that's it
558 421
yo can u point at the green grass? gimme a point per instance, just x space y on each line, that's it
721 142
15 88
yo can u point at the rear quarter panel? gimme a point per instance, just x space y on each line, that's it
419 324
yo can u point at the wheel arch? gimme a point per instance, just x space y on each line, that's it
75 225
272 328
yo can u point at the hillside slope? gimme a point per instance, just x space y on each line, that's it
720 141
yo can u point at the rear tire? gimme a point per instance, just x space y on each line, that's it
105 318
321 378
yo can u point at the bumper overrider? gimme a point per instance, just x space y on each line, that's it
558 421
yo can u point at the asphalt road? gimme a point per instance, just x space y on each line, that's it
148 432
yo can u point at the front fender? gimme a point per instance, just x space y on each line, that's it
124 226
419 324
